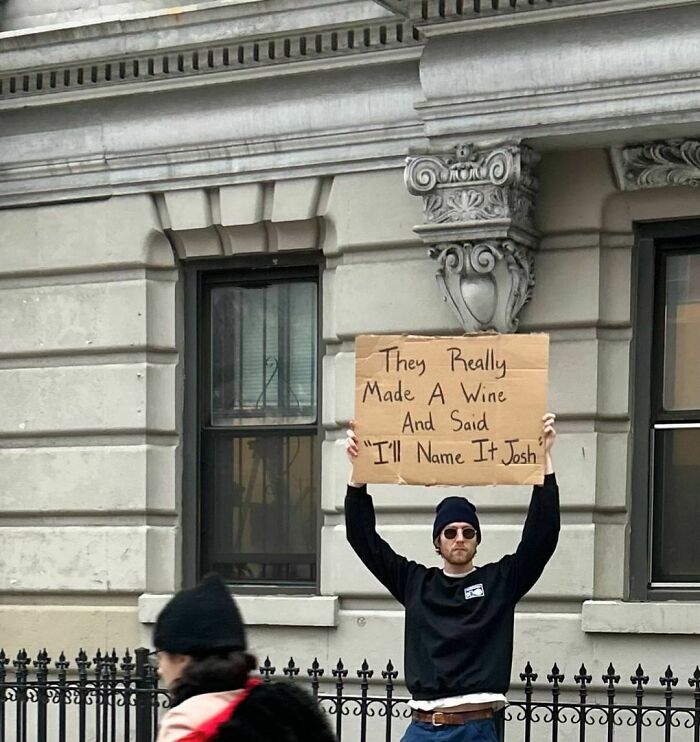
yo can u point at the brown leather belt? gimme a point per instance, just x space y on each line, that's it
437 718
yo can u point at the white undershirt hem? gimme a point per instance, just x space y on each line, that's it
497 701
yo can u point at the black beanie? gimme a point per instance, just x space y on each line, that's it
455 510
200 621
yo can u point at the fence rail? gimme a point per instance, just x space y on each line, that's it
117 699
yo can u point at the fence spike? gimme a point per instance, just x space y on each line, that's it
291 670
42 660
694 682
364 673
315 671
528 677
610 677
61 662
339 670
555 676
583 678
390 674
267 670
639 678
668 680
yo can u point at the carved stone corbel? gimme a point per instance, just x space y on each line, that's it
674 162
479 208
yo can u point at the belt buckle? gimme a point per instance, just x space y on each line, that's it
438 719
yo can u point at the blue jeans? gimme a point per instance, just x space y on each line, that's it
480 730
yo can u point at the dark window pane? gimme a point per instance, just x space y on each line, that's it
682 333
676 516
263 357
259 507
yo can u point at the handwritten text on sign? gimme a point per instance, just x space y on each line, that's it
450 410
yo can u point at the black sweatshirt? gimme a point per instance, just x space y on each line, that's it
458 631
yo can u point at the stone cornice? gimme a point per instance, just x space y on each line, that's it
159 68
434 21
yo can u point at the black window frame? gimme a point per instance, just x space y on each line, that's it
196 274
651 239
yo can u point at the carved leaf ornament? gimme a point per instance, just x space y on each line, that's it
670 163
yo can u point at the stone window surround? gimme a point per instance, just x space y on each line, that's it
640 617
663 166
263 610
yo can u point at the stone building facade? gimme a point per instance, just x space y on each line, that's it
162 165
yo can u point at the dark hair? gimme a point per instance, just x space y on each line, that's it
279 711
213 673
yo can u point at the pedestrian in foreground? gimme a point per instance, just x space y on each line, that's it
202 657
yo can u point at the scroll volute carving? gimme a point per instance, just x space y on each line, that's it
479 210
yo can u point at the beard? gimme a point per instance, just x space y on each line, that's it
458 556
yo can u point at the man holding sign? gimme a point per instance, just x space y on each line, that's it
458 643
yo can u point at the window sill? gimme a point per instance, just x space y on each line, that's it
263 610
626 617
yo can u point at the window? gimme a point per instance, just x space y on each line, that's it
253 463
666 470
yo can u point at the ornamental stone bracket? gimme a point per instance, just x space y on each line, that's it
673 162
479 209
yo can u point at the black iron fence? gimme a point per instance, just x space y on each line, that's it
109 698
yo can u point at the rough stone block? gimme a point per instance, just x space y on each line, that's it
244 239
87 398
161 313
573 376
100 558
609 560
338 389
301 235
386 297
566 204
44 319
163 560
613 377
611 487
116 232
615 286
296 199
367 210
93 479
188 209
240 204
567 289
197 243
69 628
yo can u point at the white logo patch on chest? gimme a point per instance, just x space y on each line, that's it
474 591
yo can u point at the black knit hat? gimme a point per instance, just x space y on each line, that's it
456 510
200 621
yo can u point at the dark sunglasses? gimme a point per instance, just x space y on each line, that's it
468 533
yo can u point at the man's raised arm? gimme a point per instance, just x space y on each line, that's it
541 529
390 568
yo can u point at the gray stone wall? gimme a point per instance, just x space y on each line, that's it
90 426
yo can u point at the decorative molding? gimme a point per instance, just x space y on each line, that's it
479 209
439 17
673 162
208 60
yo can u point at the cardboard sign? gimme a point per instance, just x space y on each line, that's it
450 410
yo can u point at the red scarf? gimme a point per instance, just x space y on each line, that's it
208 729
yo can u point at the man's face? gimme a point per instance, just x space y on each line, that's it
457 544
